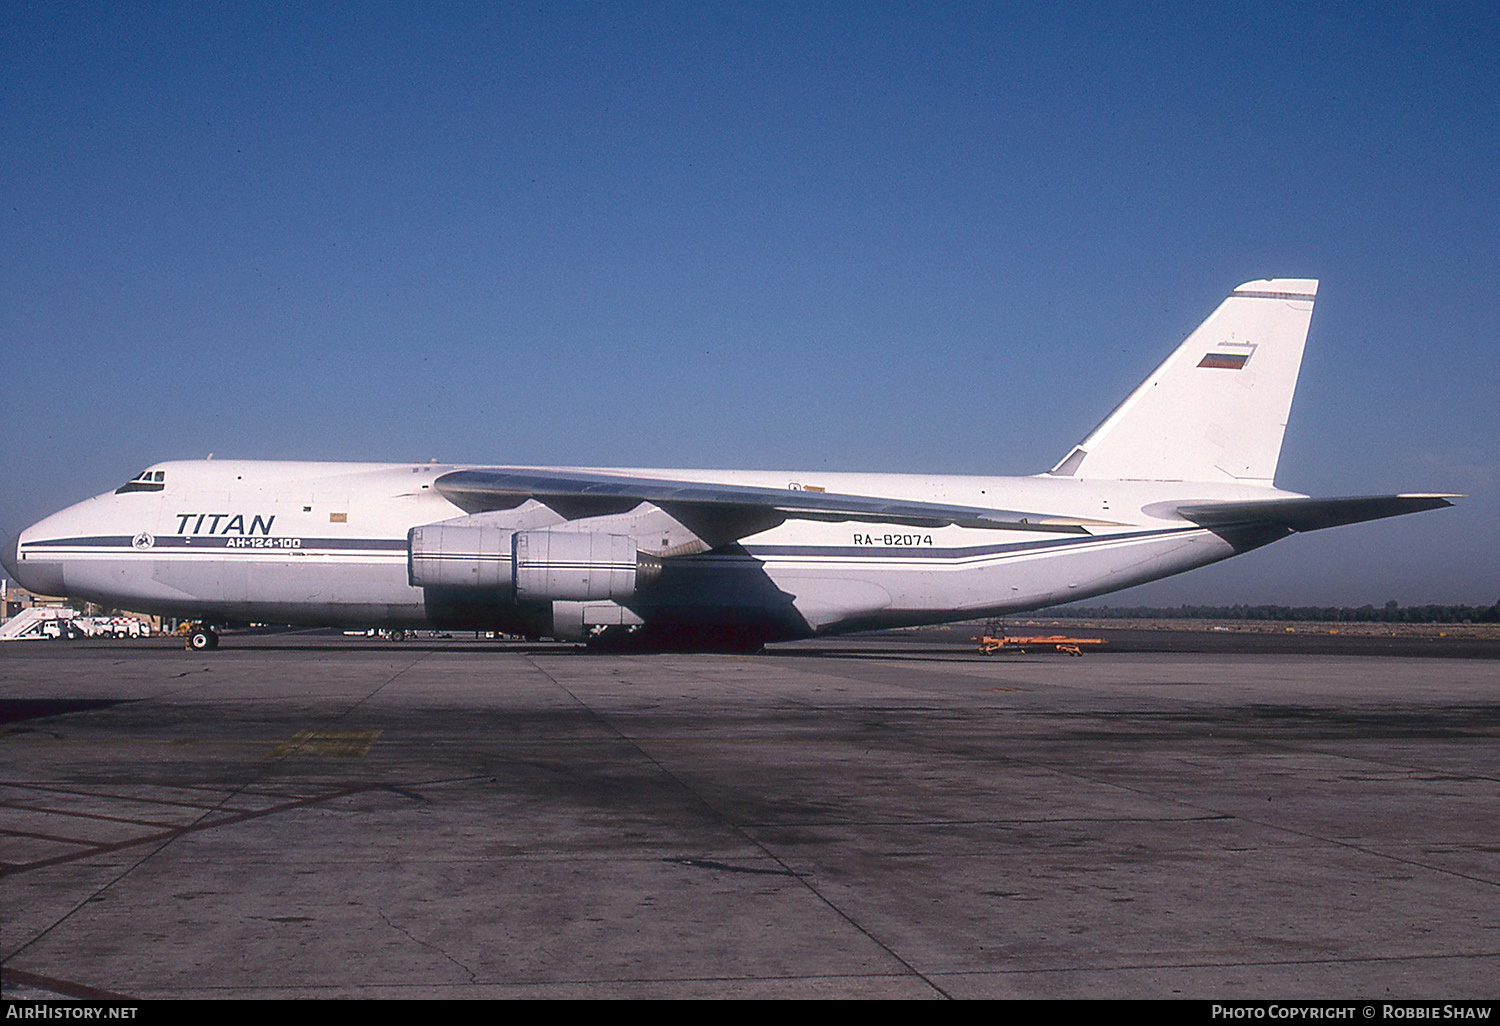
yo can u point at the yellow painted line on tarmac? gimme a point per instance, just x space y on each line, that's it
326 744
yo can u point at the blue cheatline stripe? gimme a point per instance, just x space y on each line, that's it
940 552
203 541
925 552
489 557
577 566
109 541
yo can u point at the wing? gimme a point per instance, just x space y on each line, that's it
718 513
1308 514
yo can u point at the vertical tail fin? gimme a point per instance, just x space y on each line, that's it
1216 410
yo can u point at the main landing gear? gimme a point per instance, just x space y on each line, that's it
200 638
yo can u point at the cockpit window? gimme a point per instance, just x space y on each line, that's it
145 481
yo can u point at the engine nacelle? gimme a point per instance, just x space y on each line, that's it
579 566
458 555
533 566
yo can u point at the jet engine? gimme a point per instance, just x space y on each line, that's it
530 566
457 555
579 566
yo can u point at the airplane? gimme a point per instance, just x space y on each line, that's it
1180 475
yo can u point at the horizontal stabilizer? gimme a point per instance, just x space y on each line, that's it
1308 514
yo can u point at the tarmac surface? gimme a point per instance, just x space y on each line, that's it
315 816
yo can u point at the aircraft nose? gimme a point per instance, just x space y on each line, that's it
8 556
40 578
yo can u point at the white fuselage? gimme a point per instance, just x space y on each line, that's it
326 543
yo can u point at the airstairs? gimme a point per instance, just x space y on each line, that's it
39 622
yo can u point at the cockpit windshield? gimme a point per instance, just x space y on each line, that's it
145 481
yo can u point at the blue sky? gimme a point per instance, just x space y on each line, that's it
918 237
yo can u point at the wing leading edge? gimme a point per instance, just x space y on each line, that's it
727 512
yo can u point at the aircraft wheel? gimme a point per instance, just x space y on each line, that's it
202 639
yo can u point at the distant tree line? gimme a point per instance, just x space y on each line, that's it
1391 612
